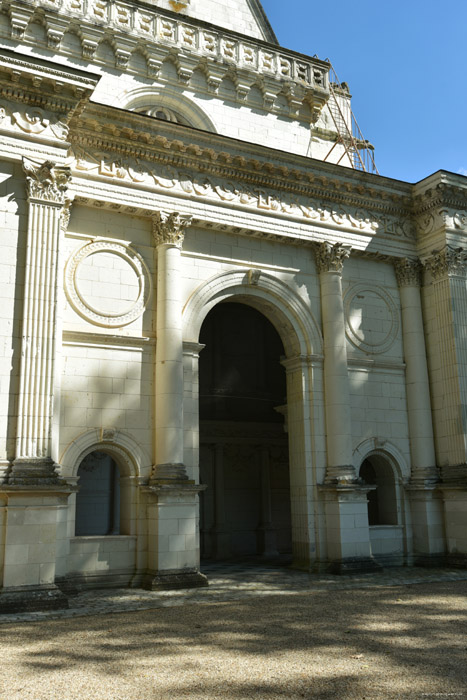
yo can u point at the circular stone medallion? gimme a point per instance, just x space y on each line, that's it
107 283
371 318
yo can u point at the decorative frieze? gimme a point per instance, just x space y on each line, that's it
330 257
447 262
408 272
165 178
168 228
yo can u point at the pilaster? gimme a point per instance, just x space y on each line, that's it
448 268
46 190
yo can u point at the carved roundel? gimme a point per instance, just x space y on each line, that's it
371 318
107 283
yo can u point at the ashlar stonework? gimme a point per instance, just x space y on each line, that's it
219 339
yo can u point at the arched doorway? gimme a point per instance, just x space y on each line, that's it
243 441
98 499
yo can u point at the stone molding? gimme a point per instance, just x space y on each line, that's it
447 262
330 257
161 35
253 193
84 306
389 314
408 272
46 181
168 228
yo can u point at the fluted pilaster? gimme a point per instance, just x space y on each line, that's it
46 190
448 268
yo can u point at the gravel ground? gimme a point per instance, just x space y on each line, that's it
393 642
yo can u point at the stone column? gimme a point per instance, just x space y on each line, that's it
46 190
172 500
426 505
168 235
330 262
422 449
35 497
267 543
348 535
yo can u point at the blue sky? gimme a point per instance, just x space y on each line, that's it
405 63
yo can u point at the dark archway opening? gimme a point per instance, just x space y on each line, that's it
243 441
382 501
98 499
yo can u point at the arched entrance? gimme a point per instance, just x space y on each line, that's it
278 302
244 445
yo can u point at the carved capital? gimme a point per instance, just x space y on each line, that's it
408 272
46 181
448 262
330 257
65 215
168 228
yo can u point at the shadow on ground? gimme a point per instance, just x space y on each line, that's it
400 642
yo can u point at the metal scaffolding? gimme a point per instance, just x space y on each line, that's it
358 150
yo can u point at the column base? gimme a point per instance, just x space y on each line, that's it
354 565
24 599
168 473
173 580
343 474
27 471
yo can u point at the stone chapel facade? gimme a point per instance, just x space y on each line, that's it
214 341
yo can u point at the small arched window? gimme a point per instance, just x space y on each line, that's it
98 499
382 501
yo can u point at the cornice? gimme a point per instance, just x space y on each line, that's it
37 99
131 135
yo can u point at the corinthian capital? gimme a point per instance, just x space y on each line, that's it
330 257
448 262
46 181
169 228
408 272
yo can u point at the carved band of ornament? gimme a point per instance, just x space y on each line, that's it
448 262
46 181
330 257
164 178
168 228
408 272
